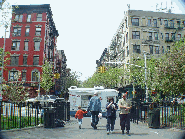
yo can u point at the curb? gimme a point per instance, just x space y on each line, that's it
32 127
19 129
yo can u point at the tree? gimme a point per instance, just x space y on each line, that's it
15 91
73 79
46 78
171 71
113 77
165 75
1 3
137 74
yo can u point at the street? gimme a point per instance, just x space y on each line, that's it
71 130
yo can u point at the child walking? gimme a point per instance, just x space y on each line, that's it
79 115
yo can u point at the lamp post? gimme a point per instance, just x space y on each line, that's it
146 88
39 85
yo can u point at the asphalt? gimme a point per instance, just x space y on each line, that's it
71 130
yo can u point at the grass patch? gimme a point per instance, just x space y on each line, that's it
14 122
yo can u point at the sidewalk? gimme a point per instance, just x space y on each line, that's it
71 130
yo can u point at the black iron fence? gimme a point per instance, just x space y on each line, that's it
170 114
20 115
31 114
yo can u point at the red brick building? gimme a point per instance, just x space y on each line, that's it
33 37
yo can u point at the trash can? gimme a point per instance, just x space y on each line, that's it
154 118
49 117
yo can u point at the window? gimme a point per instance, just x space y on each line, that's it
151 49
13 75
38 31
156 49
127 51
135 21
135 35
23 76
127 37
17 31
14 60
15 45
156 35
162 36
27 32
160 21
167 36
178 24
173 36
29 18
168 49
162 50
35 76
18 18
39 17
37 46
25 60
166 23
25 46
155 22
184 23
136 49
171 23
35 60
150 36
126 23
179 37
149 23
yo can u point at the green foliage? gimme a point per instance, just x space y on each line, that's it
171 70
137 74
7 58
46 79
15 91
165 74
113 77
73 79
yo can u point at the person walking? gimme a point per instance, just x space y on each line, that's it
94 107
111 114
79 115
124 105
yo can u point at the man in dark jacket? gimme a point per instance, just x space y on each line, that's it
95 107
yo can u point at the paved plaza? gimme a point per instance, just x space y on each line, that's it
71 130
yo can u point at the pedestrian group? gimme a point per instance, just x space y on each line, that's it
94 107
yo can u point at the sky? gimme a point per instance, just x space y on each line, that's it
86 27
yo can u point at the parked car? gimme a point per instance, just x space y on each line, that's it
42 99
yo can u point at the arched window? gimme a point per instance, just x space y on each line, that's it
34 75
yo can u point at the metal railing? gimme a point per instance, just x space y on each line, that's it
171 115
20 115
28 114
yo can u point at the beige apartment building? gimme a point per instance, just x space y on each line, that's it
145 31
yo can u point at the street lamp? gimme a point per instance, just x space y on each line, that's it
146 88
39 86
